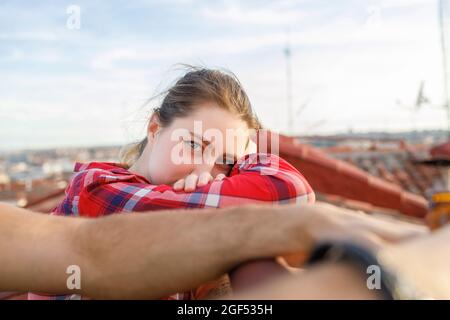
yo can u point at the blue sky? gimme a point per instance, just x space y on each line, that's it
352 60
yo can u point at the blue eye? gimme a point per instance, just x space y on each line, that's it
194 145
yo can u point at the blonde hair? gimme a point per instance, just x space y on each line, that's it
198 85
131 152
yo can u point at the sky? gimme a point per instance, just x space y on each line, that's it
356 64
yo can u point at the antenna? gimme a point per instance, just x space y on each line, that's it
421 98
287 54
444 62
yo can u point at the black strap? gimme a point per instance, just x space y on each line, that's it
357 255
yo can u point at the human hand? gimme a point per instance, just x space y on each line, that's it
325 222
194 180
422 263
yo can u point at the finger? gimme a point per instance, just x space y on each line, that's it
179 185
392 231
204 179
399 234
371 241
190 182
219 177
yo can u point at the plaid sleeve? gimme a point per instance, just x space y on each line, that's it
256 178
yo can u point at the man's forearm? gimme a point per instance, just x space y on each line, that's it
171 251
35 250
136 256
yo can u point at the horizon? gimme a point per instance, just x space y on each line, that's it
361 134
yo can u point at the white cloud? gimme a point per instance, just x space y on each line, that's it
33 36
181 50
403 3
234 13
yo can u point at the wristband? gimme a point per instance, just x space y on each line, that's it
391 285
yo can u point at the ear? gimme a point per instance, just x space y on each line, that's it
153 126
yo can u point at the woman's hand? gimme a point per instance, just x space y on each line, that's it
195 180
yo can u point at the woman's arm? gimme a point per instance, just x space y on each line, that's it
257 179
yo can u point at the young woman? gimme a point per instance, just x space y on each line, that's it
198 152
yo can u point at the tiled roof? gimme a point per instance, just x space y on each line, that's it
441 151
367 208
399 167
329 175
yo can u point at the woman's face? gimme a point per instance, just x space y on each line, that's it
211 139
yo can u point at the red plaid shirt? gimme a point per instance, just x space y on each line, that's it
101 188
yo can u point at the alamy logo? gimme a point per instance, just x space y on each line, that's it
374 280
74 19
74 279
